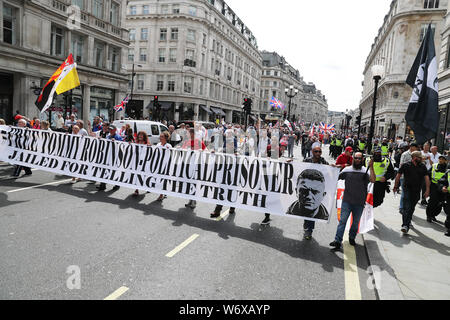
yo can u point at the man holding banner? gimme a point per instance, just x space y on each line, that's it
356 180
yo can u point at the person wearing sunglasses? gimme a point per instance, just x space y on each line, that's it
356 179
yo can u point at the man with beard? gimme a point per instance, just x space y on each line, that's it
356 181
414 172
384 171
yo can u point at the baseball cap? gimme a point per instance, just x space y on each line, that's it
349 149
443 157
112 127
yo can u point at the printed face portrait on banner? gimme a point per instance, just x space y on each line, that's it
310 193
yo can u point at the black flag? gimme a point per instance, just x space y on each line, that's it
423 115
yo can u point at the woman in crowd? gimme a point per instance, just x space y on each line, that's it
164 143
142 138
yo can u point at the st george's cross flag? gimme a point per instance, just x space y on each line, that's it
64 79
423 114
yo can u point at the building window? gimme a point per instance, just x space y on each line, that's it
114 56
431 4
97 8
162 55
163 34
192 11
188 84
172 55
99 50
140 81
133 10
190 54
143 54
131 55
114 14
144 34
146 9
57 42
171 83
202 83
204 39
79 3
191 35
9 24
159 83
175 9
174 34
132 34
164 9
77 48
424 29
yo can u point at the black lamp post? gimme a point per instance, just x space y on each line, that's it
291 93
377 72
133 74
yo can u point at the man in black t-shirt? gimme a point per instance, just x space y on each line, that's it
415 172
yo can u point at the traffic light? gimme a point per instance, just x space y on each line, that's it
248 105
155 99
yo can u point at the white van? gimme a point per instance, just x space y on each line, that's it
152 128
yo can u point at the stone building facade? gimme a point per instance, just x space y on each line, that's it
444 84
36 36
396 47
309 105
197 56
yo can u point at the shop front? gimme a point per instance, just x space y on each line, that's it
6 97
70 102
187 112
102 103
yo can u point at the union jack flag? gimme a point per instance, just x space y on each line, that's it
121 105
274 102
326 128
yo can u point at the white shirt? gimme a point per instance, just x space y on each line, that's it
427 163
59 123
435 158
167 145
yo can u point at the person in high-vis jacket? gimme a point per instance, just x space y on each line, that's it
338 148
437 172
385 149
362 145
384 171
443 186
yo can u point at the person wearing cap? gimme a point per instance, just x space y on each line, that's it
114 137
414 173
436 173
443 186
345 159
384 171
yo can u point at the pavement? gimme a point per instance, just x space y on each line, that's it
415 266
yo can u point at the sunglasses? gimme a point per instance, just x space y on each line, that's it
317 151
358 158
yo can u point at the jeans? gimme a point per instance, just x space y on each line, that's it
410 202
346 209
402 196
291 150
309 225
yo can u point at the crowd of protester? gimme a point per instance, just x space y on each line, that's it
419 172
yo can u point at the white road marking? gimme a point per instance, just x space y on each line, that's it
352 287
40 185
116 294
223 215
182 246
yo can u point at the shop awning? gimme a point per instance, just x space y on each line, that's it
206 109
218 111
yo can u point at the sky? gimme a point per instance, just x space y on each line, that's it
328 41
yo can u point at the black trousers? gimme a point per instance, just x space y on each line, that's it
447 212
435 203
379 192
18 169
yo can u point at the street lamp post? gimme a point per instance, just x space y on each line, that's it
291 93
133 74
377 72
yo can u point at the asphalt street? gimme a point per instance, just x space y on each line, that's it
125 247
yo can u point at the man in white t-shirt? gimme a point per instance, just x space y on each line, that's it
59 122
434 156
427 161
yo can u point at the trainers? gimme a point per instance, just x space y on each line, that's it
232 211
115 188
191 204
215 215
266 221
404 229
448 233
308 235
424 202
101 188
335 244
352 242
430 220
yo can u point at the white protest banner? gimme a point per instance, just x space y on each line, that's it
295 189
